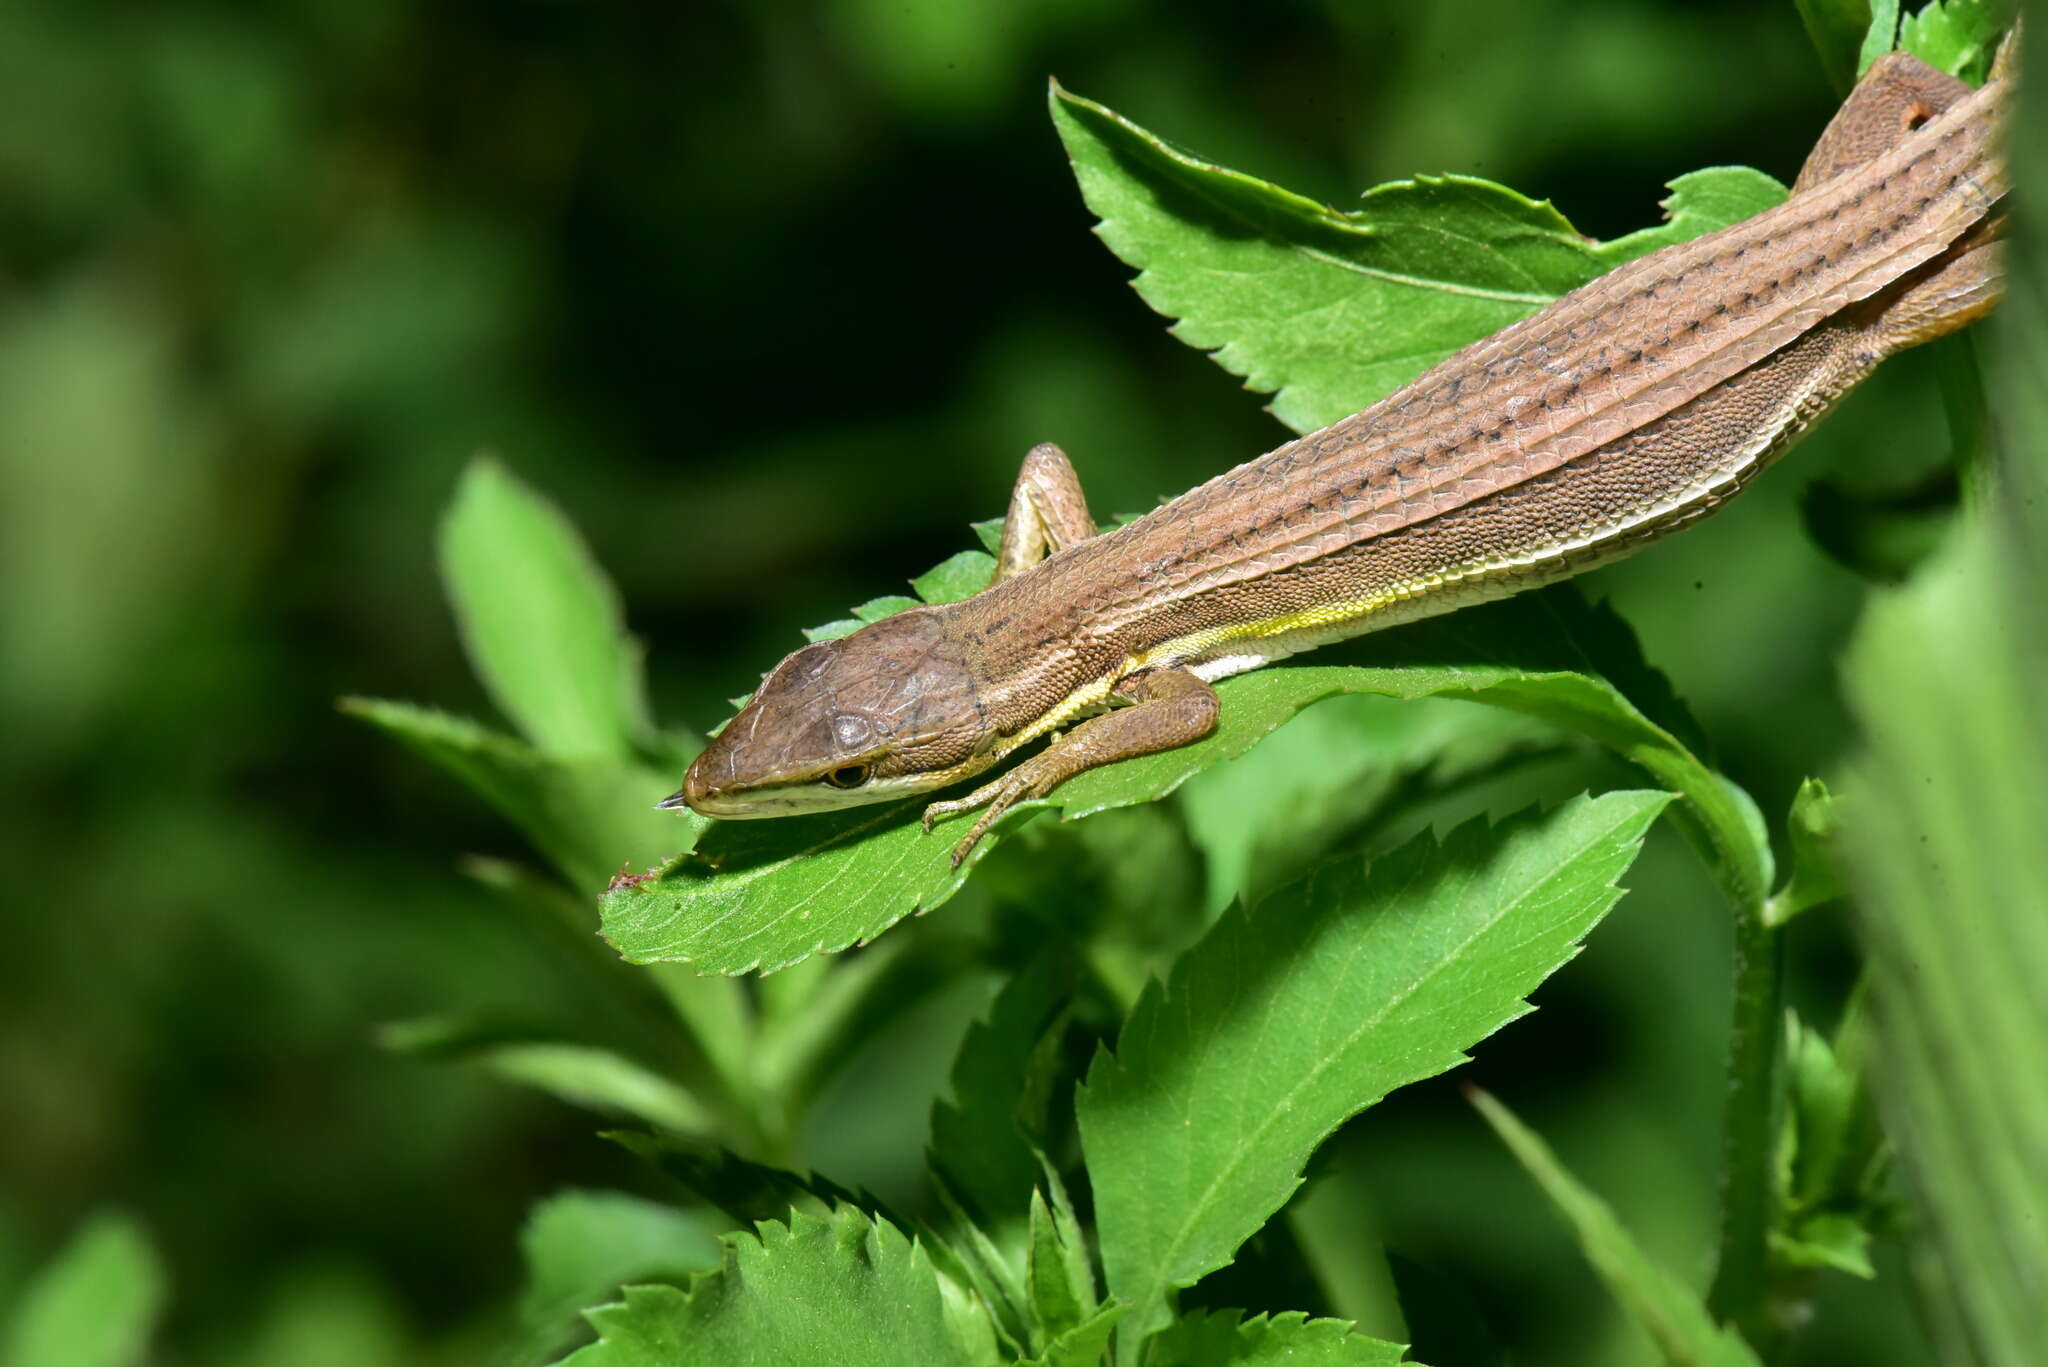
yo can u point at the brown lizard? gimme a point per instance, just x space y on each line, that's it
1619 413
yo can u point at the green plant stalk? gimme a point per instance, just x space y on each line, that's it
1749 1129
1743 1278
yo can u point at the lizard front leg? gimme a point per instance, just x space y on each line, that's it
1165 709
1958 292
1048 512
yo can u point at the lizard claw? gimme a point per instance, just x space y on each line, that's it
993 799
938 810
988 819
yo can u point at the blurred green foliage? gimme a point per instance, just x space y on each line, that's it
771 296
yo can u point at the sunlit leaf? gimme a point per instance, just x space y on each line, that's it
1286 1020
1328 310
888 605
94 1305
1057 1274
1950 797
542 623
580 1247
1957 36
1224 1338
581 1074
1816 874
1882 35
1084 1344
836 1289
1833 1160
962 576
1831 1239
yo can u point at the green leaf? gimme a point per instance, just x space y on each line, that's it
580 1247
1330 311
1222 1339
1833 1239
94 1305
1700 202
592 1078
766 894
762 895
1882 35
1671 1313
1951 876
1957 36
588 817
990 1270
985 1139
1286 1020
829 631
572 1070
1817 875
754 1193
1950 796
542 624
824 1290
962 576
1837 28
875 609
1823 1102
1084 1344
1832 1157
1056 1273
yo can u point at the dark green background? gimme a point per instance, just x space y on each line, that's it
772 297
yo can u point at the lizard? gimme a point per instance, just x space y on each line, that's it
1614 415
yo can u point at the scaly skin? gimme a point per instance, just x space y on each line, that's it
1622 411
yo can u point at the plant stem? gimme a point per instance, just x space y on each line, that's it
1748 1129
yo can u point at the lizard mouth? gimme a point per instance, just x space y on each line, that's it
743 806
728 802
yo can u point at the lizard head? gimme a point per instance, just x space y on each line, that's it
889 711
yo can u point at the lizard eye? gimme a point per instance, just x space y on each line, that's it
850 776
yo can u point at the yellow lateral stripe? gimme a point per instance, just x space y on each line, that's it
1598 542
1329 615
1073 705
